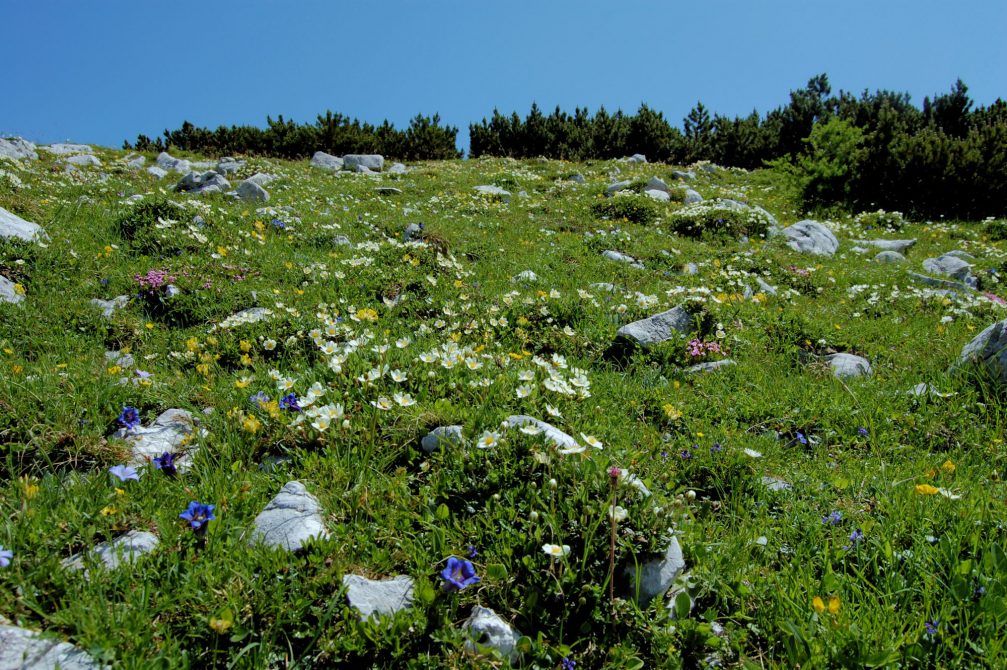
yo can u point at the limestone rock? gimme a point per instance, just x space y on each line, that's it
291 519
23 649
326 161
900 246
811 237
157 172
84 160
66 149
848 365
108 307
988 351
122 550
889 257
526 276
776 484
262 178
683 174
556 436
372 162
660 196
372 596
950 266
136 163
398 168
653 578
692 197
619 257
616 187
166 161
488 630
944 284
493 191
17 149
12 225
765 286
709 366
658 328
656 184
442 436
636 158
8 291
203 182
168 433
249 191
228 165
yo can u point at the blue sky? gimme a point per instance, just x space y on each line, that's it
101 71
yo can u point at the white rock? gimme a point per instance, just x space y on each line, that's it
636 158
556 436
622 258
166 161
12 225
371 596
122 550
653 578
811 237
527 276
136 163
249 191
692 197
8 292
228 165
326 161
262 178
168 433
65 149
988 351
108 307
889 257
157 172
709 366
23 649
848 365
488 630
17 148
660 196
765 287
616 187
373 162
900 246
398 168
86 160
202 182
291 519
950 266
493 191
446 436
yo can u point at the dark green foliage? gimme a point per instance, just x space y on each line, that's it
704 221
137 225
636 209
424 139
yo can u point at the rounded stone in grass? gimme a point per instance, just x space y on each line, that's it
489 631
651 579
23 649
13 226
442 436
122 550
378 596
290 520
811 237
849 365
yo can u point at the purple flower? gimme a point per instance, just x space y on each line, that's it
855 537
567 664
686 454
5 557
472 553
279 224
715 449
862 431
124 472
198 515
166 464
834 518
289 402
259 398
932 625
801 438
142 374
458 574
129 417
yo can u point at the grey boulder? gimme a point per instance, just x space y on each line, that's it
692 197
619 257
228 165
84 160
66 149
157 172
23 649
683 174
889 257
12 225
656 184
166 161
383 597
848 365
950 266
121 551
654 194
108 307
249 191
988 351
290 520
261 178
326 161
136 163
202 182
900 246
442 436
811 237
489 631
616 187
398 168
17 148
372 162
636 158
169 432
658 328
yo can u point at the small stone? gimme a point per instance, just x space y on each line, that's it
619 257
86 160
616 187
398 168
658 328
889 257
848 365
121 551
949 266
413 233
660 196
384 597
168 433
228 165
811 237
167 162
442 436
653 578
342 241
372 162
692 197
577 178
776 484
488 630
683 174
202 182
262 178
636 158
945 284
9 292
556 436
108 307
527 276
290 520
900 246
765 287
709 366
23 649
157 172
988 351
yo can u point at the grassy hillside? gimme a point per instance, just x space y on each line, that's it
824 521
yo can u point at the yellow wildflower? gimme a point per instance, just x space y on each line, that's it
926 489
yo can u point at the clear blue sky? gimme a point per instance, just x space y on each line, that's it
101 71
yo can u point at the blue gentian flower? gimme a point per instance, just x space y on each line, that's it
862 431
834 518
5 557
198 515
124 473
458 574
855 537
166 464
568 664
932 626
801 438
129 417
686 454
259 398
472 553
279 224
715 449
289 402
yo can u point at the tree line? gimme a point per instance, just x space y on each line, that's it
946 158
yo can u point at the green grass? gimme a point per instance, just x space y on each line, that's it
757 558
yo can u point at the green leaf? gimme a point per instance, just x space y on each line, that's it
442 513
496 571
